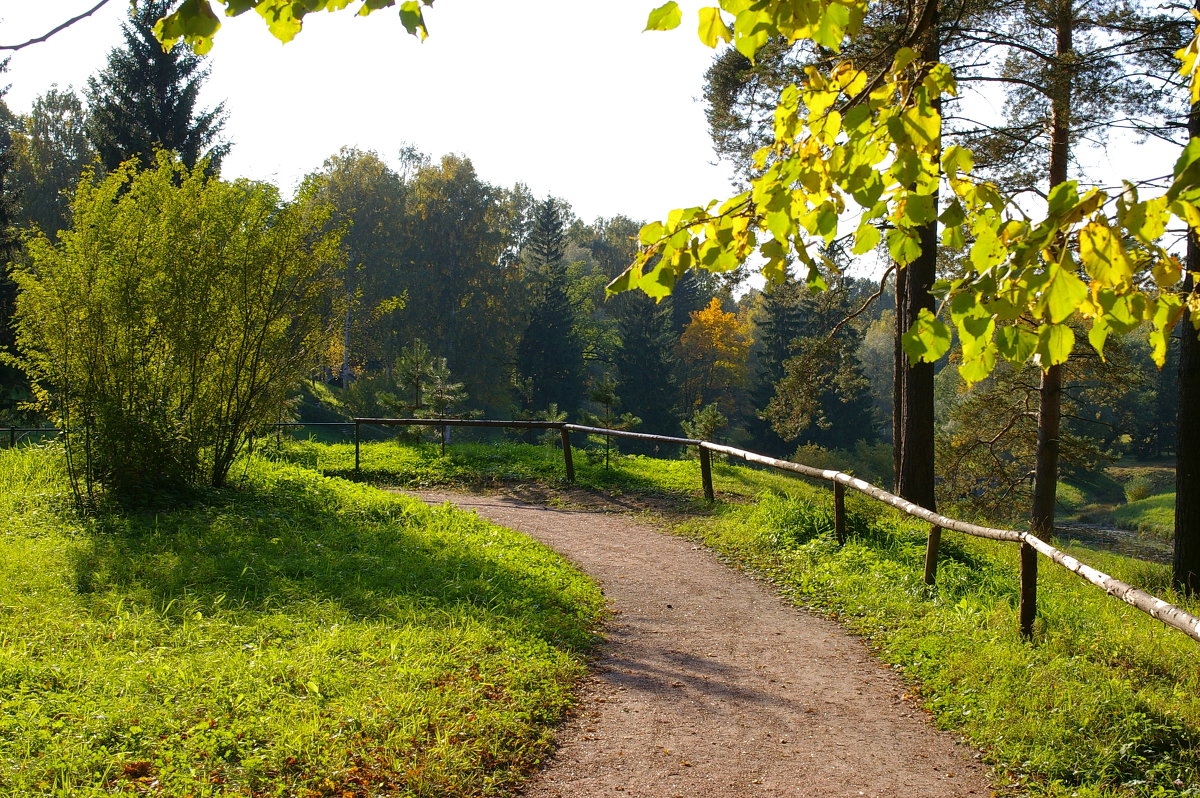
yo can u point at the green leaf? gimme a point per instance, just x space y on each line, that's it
903 245
1063 197
1016 344
652 233
920 209
1098 335
712 28
1055 343
665 17
866 238
974 369
193 22
413 19
832 27
927 339
1186 185
987 251
1065 292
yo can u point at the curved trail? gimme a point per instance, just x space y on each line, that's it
710 686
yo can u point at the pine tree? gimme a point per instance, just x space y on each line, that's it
781 321
146 99
550 355
11 380
645 363
53 150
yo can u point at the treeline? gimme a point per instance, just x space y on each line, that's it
458 297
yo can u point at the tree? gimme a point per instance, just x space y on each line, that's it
171 320
464 296
52 152
822 396
145 99
848 141
550 354
645 363
11 381
713 353
368 200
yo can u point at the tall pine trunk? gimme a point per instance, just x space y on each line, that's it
1045 485
912 422
1186 570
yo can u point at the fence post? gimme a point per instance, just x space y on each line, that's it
839 512
568 462
12 437
443 440
1028 608
356 447
931 554
706 474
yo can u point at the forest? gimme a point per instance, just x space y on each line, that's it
925 278
434 292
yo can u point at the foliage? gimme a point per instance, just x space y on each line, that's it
299 635
171 321
145 99
713 352
604 394
705 423
550 353
645 364
52 151
367 200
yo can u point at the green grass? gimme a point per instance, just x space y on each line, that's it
1104 702
296 635
477 465
1154 516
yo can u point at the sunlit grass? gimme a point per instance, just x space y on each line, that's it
1104 702
297 635
1154 516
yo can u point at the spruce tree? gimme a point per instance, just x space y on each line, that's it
11 380
146 99
550 355
645 363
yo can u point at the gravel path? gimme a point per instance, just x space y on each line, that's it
710 686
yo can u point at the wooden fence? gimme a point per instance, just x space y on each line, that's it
1030 545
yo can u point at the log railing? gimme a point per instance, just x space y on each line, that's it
1031 546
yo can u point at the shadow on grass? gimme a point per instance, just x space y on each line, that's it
275 549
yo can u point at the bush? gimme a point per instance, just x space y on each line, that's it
171 320
1138 488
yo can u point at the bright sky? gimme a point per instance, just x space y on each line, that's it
568 97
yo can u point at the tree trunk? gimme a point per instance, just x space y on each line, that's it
1045 486
1045 481
1186 565
1187 447
912 422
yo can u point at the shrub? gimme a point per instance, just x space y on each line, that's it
171 320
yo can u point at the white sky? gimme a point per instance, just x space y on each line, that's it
570 98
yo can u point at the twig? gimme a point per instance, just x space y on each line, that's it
865 305
58 29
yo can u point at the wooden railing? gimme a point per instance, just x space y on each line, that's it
1031 546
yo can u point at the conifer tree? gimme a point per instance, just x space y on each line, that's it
550 355
146 99
645 362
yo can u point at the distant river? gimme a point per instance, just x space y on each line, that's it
1122 541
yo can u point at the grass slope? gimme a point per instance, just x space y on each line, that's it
1154 515
1104 702
297 636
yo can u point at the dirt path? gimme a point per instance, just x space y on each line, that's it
710 686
